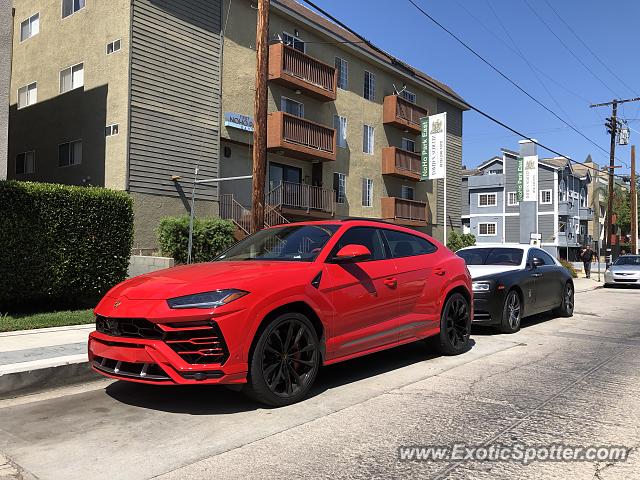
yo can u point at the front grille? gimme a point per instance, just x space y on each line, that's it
143 371
128 327
625 280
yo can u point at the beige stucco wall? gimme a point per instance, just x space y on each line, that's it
57 118
5 80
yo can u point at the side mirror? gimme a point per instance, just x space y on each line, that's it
536 262
352 253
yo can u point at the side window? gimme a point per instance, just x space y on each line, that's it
545 257
368 236
407 245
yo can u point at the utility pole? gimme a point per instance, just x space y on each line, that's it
634 203
260 113
612 128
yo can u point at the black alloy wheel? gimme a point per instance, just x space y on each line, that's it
455 326
568 301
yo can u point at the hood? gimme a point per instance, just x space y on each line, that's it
625 268
484 270
203 277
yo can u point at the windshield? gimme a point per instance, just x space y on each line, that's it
299 243
628 260
491 256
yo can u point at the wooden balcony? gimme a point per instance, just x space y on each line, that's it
402 113
401 163
302 200
300 138
404 212
299 71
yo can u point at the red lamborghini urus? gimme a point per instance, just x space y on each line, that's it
275 306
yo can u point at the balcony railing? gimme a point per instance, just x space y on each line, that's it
402 113
297 70
404 211
300 138
401 163
586 213
300 196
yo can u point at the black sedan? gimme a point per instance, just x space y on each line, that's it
511 282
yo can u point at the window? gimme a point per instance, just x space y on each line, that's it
111 130
70 153
512 199
562 191
407 95
27 95
491 256
407 245
113 47
367 139
486 229
71 78
543 256
30 27
407 192
369 86
583 197
487 200
408 145
291 106
25 163
340 186
293 41
370 237
342 66
69 7
545 197
340 124
367 192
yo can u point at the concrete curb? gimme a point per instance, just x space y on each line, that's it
590 289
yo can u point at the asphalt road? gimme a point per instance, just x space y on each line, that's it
574 381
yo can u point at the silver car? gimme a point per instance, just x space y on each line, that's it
624 271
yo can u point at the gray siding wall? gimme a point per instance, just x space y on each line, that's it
454 167
510 171
175 95
475 209
6 24
464 196
545 228
498 220
512 229
546 181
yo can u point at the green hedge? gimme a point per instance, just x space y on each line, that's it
569 266
210 237
61 244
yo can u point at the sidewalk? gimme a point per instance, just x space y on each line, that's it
36 359
582 284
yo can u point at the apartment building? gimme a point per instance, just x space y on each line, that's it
6 26
343 126
491 210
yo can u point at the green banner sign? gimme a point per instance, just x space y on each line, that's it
520 179
424 125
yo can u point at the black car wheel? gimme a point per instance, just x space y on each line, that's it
285 361
455 326
568 301
511 313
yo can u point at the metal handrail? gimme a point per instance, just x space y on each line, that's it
303 196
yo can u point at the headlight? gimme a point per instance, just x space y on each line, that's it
481 286
207 299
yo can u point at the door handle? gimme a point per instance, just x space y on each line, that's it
391 282
439 271
536 275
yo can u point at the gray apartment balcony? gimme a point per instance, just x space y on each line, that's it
586 213
564 208
486 181
572 241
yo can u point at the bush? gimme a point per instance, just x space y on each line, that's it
456 241
569 266
61 244
210 237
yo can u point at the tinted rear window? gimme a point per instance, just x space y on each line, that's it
491 256
407 245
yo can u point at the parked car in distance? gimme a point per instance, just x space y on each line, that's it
513 281
624 271
268 312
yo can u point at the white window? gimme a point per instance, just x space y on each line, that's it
369 86
30 27
111 130
71 78
367 192
69 7
342 66
407 95
545 197
407 193
512 199
487 229
27 95
70 153
408 145
367 139
583 197
340 186
293 41
113 47
487 200
292 107
25 163
340 124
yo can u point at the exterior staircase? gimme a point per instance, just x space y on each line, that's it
231 209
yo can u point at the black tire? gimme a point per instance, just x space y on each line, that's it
285 361
455 326
568 301
511 313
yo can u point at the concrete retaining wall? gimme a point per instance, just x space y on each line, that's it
140 264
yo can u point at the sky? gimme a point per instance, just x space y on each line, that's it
498 30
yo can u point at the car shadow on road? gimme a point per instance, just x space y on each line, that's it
486 330
219 400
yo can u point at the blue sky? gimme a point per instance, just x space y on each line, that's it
560 81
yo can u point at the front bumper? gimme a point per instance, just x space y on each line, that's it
612 278
487 307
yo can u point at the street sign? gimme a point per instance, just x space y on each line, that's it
434 146
530 179
520 179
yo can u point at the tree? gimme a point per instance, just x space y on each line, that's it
622 209
456 241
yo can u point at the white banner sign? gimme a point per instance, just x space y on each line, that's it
530 179
434 147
